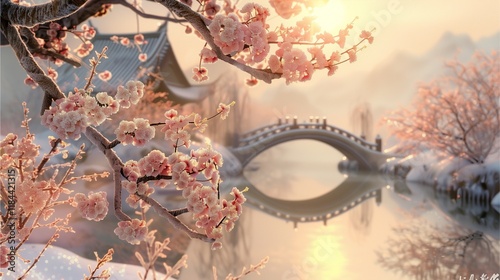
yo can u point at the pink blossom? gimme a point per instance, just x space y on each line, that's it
296 66
252 81
216 245
114 38
352 54
228 33
224 109
131 170
88 31
257 38
95 207
31 196
84 49
211 8
30 82
200 74
143 57
153 164
130 93
275 64
133 231
125 41
326 37
285 8
105 75
136 132
366 35
208 55
52 73
342 37
139 39
319 56
255 12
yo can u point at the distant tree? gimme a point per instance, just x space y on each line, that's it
457 114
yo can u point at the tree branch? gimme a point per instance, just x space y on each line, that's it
27 61
116 164
200 24
30 16
35 48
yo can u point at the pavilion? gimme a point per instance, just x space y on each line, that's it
124 65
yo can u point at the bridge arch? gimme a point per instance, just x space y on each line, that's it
344 197
353 147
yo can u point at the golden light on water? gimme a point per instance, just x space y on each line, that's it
325 259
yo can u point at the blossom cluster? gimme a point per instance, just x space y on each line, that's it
95 207
32 196
137 42
51 36
136 132
12 148
133 231
186 172
72 114
299 51
210 213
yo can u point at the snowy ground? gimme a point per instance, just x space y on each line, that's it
58 263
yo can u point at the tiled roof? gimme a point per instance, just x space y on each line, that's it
124 65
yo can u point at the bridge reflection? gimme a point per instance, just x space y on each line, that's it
368 155
350 193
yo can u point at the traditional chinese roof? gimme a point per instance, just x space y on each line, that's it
124 65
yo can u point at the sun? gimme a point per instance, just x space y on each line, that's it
330 15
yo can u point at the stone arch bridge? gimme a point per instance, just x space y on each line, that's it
369 156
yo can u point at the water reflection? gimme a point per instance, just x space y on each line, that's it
408 234
419 250
341 199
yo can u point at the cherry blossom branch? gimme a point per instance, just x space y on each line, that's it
200 24
93 64
34 47
30 16
101 142
27 61
47 156
162 211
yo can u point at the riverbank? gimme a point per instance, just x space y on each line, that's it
464 180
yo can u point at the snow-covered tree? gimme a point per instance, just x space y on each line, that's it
457 114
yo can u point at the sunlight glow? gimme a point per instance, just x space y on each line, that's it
325 259
330 16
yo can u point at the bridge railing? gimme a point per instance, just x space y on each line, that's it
269 130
